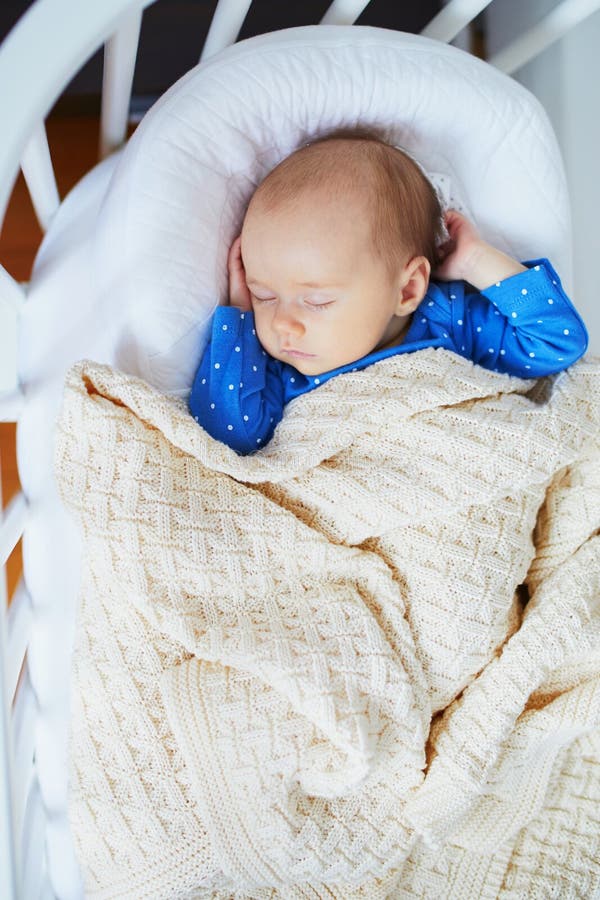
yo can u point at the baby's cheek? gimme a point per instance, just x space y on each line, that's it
263 331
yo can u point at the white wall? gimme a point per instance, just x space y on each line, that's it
566 80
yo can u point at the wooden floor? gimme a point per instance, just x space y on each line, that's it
73 147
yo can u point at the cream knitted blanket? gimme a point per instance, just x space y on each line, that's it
310 672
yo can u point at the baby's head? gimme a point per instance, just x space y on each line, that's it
338 244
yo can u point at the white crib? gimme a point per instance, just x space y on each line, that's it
39 57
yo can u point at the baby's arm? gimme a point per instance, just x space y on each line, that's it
237 394
520 320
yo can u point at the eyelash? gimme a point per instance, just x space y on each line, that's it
313 306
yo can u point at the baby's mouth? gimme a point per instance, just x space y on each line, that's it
297 354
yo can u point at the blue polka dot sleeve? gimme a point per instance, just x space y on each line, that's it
524 325
237 394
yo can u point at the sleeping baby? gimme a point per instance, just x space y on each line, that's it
332 272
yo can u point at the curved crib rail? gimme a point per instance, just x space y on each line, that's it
42 53
41 67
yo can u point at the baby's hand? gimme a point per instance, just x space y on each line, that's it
467 257
239 295
460 250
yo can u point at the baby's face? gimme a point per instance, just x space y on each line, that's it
321 297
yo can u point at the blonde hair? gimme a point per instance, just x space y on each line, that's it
406 216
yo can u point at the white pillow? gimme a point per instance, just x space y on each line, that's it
179 192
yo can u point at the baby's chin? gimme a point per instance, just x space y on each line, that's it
310 366
306 365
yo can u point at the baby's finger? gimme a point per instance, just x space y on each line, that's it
444 250
239 295
234 260
453 219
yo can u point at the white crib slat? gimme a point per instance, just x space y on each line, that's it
18 630
119 64
12 297
227 20
8 866
33 845
451 20
566 16
344 12
24 720
36 165
8 844
12 293
12 524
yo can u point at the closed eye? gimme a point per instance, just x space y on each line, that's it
319 305
262 299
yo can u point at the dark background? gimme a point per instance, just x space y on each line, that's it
173 32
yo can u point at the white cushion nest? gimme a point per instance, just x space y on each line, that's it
179 192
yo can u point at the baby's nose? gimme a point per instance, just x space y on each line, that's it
285 322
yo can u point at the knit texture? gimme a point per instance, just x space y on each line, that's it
308 672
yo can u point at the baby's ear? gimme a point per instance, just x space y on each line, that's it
413 284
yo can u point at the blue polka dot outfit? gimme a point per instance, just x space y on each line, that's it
525 325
